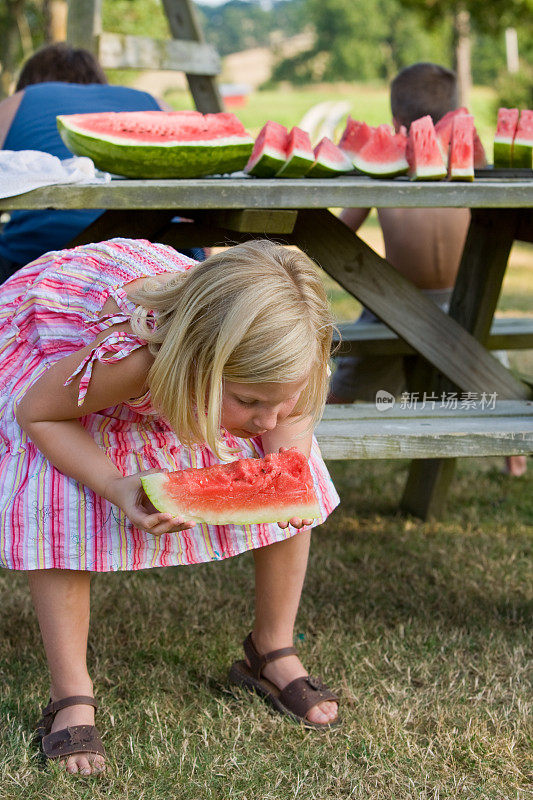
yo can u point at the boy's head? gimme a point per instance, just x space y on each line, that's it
421 89
60 62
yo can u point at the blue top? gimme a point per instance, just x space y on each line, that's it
29 234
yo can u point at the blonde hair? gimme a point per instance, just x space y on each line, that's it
255 313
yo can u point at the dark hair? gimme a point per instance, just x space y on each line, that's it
60 62
421 89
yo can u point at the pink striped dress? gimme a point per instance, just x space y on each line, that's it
49 309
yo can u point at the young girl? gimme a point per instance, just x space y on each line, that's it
125 356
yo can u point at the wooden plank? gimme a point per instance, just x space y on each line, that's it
84 24
377 339
524 232
427 486
344 433
184 24
244 192
256 220
435 335
118 51
467 408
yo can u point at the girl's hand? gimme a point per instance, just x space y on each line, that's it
296 522
128 493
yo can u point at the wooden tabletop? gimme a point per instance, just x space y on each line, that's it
246 192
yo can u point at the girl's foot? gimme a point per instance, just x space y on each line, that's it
83 762
284 670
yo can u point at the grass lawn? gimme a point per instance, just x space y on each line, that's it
424 628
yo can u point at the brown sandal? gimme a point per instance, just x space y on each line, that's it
71 740
295 699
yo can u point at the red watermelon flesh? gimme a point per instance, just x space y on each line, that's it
250 490
329 160
299 156
443 129
461 160
424 154
503 139
523 140
383 156
356 135
268 154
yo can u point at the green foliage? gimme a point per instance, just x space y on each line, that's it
135 18
488 15
515 90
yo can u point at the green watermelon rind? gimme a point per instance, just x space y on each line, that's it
522 155
296 167
267 165
180 160
319 170
503 152
154 486
383 170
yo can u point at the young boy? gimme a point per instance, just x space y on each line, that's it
423 244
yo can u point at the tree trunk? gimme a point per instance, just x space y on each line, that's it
10 45
462 48
55 14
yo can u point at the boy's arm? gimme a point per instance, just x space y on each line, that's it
50 415
354 217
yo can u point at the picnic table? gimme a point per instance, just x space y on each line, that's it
451 347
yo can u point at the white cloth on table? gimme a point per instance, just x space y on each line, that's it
24 170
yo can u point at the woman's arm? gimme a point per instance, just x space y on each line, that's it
49 414
8 110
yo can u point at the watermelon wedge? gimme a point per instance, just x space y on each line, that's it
461 160
383 156
158 144
443 129
299 156
268 154
523 141
425 158
503 139
356 135
329 160
270 489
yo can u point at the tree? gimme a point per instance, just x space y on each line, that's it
489 16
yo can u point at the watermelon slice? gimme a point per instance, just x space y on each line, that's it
299 156
443 129
268 154
356 135
425 157
461 160
158 144
383 156
503 139
329 160
523 140
270 489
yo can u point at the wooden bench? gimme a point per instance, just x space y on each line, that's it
361 431
376 339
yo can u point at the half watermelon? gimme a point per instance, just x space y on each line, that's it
158 144
329 160
503 139
271 489
268 154
523 141
383 155
461 160
425 158
299 156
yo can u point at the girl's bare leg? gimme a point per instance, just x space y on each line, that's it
61 599
279 576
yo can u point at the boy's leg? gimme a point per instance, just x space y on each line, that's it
61 599
279 576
